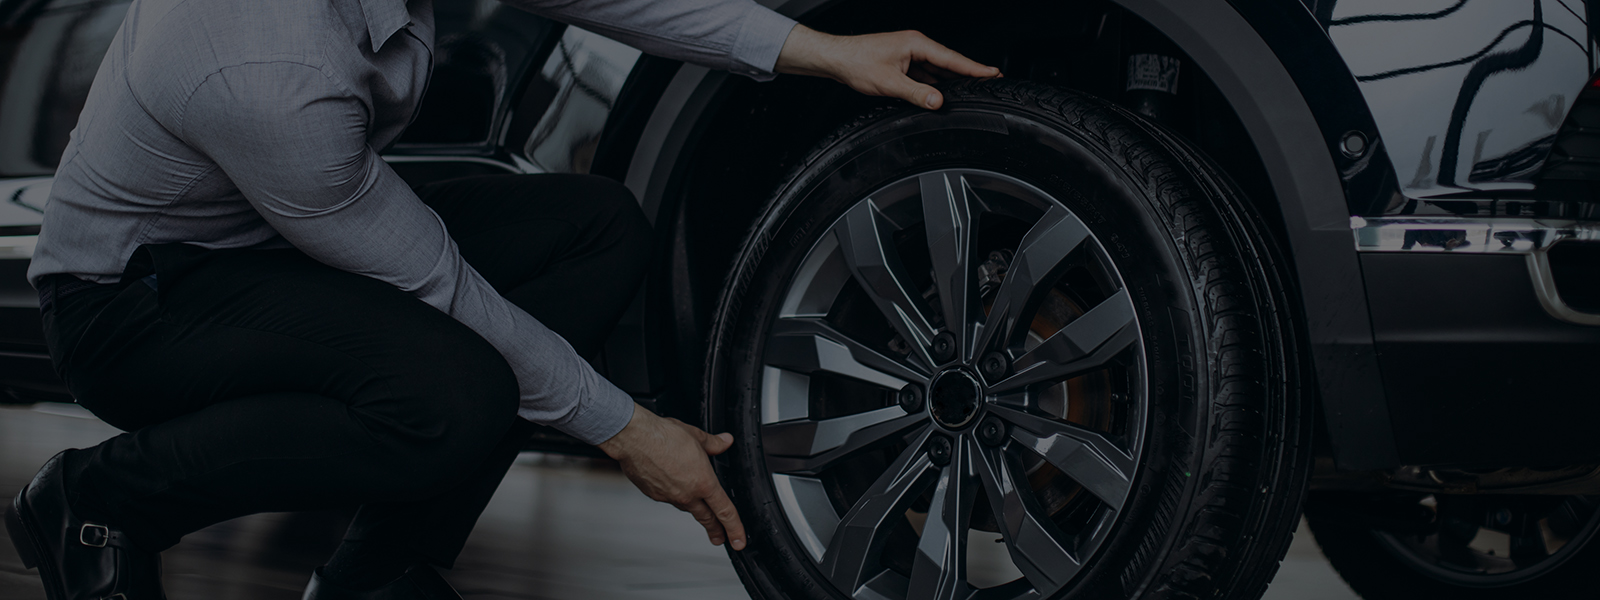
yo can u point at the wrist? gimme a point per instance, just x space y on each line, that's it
803 53
618 445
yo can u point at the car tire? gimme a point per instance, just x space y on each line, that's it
1386 546
1147 438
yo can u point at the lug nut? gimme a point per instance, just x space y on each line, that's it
939 450
995 366
944 346
910 398
992 431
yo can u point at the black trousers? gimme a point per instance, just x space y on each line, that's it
262 380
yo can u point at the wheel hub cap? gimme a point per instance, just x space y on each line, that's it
955 398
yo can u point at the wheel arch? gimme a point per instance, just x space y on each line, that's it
1251 51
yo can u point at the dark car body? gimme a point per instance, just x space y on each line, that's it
1430 165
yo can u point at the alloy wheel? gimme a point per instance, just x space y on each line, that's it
953 397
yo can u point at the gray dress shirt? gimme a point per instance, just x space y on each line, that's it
258 123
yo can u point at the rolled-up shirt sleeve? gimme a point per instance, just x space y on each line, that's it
739 36
294 143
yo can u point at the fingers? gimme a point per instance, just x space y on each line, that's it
727 516
925 96
718 516
937 72
931 62
898 85
938 55
916 72
717 444
708 519
700 436
713 444
674 468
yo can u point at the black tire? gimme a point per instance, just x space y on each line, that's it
1214 501
1364 537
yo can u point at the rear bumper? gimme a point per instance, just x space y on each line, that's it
1484 364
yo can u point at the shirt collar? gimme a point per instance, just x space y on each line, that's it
384 18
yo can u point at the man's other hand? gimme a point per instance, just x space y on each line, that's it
666 459
901 64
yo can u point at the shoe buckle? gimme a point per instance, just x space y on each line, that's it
95 536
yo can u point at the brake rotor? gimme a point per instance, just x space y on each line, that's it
1087 400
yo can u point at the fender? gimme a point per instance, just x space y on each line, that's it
1295 123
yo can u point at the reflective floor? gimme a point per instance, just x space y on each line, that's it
559 528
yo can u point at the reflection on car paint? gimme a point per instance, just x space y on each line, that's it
484 48
1505 235
22 204
40 97
583 76
1467 94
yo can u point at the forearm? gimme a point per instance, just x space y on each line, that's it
391 236
733 35
558 387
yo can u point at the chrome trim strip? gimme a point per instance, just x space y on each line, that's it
1532 238
1544 287
1501 235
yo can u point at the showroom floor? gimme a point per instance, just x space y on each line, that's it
559 528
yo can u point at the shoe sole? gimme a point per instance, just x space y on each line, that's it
31 548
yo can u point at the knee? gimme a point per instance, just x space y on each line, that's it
481 397
622 223
484 386
467 429
613 205
461 401
620 204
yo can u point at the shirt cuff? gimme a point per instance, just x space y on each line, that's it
597 419
761 37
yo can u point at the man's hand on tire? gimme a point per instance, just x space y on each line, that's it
667 460
902 64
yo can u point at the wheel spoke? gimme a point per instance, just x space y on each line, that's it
853 552
808 345
947 214
1567 521
864 239
807 446
1039 259
1527 540
1021 589
1089 458
1454 539
1032 538
1085 344
939 568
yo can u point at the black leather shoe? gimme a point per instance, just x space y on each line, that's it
419 583
78 560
